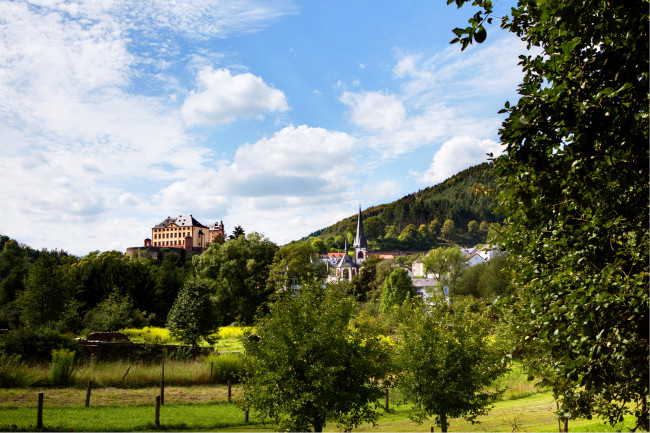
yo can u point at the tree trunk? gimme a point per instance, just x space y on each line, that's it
443 422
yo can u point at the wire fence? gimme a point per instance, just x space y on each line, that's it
110 409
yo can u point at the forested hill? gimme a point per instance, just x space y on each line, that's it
416 221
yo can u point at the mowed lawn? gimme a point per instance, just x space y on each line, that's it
206 408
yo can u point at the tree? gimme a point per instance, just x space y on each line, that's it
573 184
448 359
307 366
473 228
409 234
238 270
237 232
114 313
293 264
373 227
398 287
434 228
448 231
193 316
339 241
447 264
45 297
319 245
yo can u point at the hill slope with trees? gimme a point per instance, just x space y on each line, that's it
444 213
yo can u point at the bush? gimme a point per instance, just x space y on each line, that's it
225 368
13 373
61 367
36 345
113 313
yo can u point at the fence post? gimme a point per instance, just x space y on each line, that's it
246 416
162 383
157 420
211 362
229 391
386 403
39 412
90 384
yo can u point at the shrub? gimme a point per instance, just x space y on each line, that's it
36 345
61 367
13 372
225 368
115 312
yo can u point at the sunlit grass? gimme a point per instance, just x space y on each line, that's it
533 413
228 337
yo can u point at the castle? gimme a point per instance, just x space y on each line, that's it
183 232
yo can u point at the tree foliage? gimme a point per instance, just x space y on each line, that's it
193 317
294 263
398 287
574 189
307 366
447 360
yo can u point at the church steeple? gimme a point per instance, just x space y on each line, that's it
360 242
360 239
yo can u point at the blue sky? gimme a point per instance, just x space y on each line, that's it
278 116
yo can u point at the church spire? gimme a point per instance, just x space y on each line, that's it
360 239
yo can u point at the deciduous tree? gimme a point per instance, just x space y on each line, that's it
447 361
306 366
573 185
398 287
193 315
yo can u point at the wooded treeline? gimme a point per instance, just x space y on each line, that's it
417 221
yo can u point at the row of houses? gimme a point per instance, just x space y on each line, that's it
347 265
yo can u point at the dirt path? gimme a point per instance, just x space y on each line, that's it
116 396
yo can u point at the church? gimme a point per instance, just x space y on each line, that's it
348 267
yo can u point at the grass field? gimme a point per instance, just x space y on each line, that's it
206 408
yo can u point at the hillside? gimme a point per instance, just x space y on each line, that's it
400 224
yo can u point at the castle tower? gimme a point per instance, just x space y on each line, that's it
360 242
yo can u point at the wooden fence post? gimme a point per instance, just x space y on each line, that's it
39 412
229 391
246 416
127 372
90 384
211 362
162 383
157 420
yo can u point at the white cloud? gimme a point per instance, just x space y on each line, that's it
458 154
375 111
207 18
223 97
302 162
374 192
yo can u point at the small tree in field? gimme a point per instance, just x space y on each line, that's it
307 366
447 359
398 287
193 316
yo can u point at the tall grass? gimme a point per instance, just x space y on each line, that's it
125 374
224 368
517 384
61 367
14 373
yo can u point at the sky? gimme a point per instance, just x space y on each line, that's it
280 116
